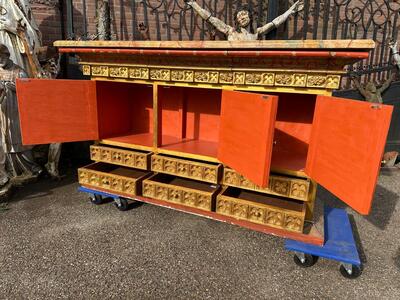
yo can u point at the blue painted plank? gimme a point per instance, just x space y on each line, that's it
339 241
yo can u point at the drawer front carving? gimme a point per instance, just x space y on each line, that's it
109 182
260 213
186 168
176 194
294 188
126 158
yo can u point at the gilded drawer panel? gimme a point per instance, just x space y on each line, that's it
157 188
275 216
108 177
295 188
127 158
186 168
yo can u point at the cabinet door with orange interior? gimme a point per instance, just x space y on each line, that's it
346 147
246 133
53 111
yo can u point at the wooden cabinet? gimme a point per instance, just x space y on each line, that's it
244 133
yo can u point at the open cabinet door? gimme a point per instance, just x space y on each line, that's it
346 147
246 134
54 111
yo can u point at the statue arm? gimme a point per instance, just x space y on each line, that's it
387 83
359 87
296 7
395 52
206 15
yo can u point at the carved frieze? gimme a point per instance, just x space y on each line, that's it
225 77
260 213
126 158
177 194
295 188
108 181
186 168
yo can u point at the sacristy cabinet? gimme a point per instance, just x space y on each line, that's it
237 131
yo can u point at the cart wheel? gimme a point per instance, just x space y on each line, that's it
305 260
121 203
351 271
96 199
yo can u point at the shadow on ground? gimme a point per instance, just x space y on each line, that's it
383 205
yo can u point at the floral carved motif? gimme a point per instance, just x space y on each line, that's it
121 72
100 71
316 81
86 70
182 75
119 157
160 74
139 73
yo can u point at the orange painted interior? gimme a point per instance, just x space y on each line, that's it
54 111
346 147
292 131
190 119
125 112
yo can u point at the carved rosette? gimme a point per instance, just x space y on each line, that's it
177 194
185 168
107 181
278 185
224 77
126 158
86 70
260 213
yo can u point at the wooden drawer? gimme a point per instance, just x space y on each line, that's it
207 172
113 178
183 191
259 208
291 187
121 157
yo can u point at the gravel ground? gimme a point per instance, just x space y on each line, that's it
55 244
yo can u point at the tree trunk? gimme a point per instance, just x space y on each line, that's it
103 20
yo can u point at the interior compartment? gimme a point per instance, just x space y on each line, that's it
186 183
125 112
190 119
117 170
278 202
292 134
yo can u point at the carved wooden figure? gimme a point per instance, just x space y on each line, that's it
242 19
16 161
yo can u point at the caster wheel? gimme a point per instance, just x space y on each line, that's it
351 272
96 199
121 204
306 261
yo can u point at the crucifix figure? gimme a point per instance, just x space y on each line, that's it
243 20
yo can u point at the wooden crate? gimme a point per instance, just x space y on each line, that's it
183 191
281 213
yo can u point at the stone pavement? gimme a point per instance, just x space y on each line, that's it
55 244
